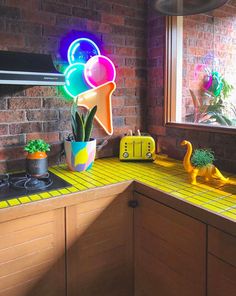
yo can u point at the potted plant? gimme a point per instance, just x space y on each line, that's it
80 149
36 160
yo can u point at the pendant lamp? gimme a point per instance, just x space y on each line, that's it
186 7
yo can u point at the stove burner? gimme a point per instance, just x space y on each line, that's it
4 180
32 183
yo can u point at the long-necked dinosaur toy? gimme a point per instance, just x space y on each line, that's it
209 171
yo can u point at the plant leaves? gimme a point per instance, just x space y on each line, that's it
89 123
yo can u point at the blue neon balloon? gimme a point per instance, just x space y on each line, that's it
75 81
81 50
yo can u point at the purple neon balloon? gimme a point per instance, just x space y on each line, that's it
99 70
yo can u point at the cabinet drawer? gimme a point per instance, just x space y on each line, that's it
221 277
222 245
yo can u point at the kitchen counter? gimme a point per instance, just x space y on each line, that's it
212 199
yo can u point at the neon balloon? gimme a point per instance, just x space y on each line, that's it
75 81
99 70
81 50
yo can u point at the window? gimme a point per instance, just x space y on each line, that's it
201 69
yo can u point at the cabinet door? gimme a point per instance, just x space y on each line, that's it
99 239
32 255
170 251
221 263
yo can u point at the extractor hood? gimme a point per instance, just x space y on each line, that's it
186 7
19 68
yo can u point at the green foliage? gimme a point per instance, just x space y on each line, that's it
226 90
82 125
202 157
37 146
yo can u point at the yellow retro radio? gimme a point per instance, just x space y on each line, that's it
138 147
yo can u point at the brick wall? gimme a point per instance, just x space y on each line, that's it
38 26
169 139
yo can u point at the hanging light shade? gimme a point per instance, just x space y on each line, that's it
186 7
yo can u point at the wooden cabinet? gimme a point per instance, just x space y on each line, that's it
32 255
170 251
221 263
96 244
99 247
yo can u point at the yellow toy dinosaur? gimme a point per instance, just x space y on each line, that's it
208 172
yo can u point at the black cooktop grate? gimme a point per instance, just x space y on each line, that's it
13 185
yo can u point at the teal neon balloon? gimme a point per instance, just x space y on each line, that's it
75 81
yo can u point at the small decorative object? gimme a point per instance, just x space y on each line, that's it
80 149
36 160
200 163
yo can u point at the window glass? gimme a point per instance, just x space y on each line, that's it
206 68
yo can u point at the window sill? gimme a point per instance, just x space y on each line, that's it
202 127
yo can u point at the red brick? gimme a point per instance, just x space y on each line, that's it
31 4
12 40
41 91
57 8
42 115
3 129
7 141
56 103
27 127
113 19
36 16
48 137
9 116
12 153
123 111
25 103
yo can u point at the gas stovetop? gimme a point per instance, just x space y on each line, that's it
21 184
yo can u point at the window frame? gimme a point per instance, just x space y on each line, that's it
171 66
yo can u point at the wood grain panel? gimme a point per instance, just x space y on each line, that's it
32 255
222 245
221 277
99 238
170 251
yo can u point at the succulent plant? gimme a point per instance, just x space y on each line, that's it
37 145
82 125
202 157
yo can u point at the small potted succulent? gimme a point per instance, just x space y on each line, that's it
36 160
80 149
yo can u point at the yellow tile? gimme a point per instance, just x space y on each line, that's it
54 193
229 214
72 189
64 191
212 208
3 204
45 195
219 205
24 199
195 201
233 210
13 202
35 197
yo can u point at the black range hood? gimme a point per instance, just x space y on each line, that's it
19 68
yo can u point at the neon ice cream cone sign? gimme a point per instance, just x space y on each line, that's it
90 79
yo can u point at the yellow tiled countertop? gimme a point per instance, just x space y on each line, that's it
167 175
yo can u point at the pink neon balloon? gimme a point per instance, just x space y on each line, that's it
99 70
